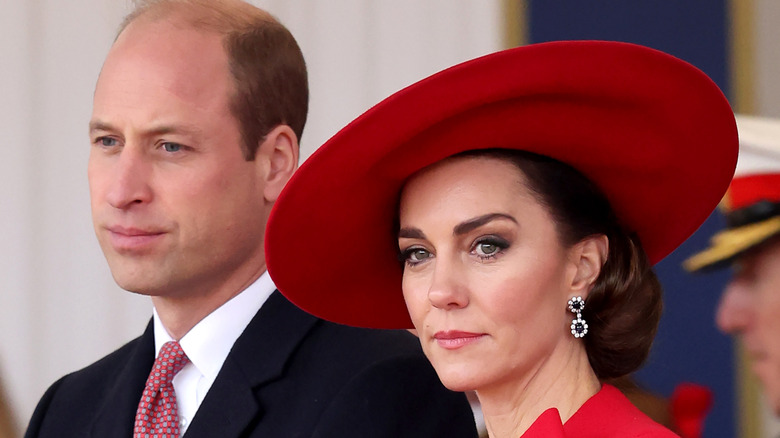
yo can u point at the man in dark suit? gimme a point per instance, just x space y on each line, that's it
196 120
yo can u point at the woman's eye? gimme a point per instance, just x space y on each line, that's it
486 249
171 147
418 255
414 256
489 247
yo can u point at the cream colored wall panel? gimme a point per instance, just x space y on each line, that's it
767 57
360 51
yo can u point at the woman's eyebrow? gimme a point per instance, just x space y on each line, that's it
462 228
471 224
411 233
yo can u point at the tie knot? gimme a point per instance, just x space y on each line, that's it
157 414
170 361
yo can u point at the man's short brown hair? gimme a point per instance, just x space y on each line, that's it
269 73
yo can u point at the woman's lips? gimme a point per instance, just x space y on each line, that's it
454 339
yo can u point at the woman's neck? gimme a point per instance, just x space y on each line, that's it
564 381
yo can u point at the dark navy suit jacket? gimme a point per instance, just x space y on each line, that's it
288 375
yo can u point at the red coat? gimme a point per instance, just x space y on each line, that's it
607 414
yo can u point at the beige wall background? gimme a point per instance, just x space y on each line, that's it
766 57
59 308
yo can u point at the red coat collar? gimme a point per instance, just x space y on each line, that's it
607 414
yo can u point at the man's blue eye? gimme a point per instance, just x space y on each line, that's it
171 147
107 141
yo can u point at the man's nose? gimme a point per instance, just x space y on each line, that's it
735 310
129 180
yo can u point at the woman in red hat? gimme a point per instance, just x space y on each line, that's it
510 209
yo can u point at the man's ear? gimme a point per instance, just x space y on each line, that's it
277 159
588 256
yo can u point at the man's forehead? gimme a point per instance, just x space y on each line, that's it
155 71
767 252
164 33
154 50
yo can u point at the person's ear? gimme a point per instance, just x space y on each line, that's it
277 159
588 257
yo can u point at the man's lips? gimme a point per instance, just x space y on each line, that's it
132 239
760 367
753 348
454 339
757 356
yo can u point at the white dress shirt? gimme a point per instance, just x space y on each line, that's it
208 344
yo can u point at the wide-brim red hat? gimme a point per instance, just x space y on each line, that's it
653 132
751 205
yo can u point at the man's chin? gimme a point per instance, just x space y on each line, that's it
138 286
771 388
143 277
143 292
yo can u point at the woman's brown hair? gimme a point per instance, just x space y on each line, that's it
624 305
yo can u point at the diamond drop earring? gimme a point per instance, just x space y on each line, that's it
578 326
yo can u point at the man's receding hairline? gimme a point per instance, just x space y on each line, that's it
220 16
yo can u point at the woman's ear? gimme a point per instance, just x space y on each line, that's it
588 256
277 159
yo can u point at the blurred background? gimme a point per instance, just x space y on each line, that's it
59 308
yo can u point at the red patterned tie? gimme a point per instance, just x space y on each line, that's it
158 414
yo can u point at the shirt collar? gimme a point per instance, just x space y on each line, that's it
208 343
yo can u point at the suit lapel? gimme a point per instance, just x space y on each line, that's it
259 356
228 408
117 415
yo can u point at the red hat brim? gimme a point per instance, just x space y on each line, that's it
653 132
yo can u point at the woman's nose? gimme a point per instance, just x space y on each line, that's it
448 286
